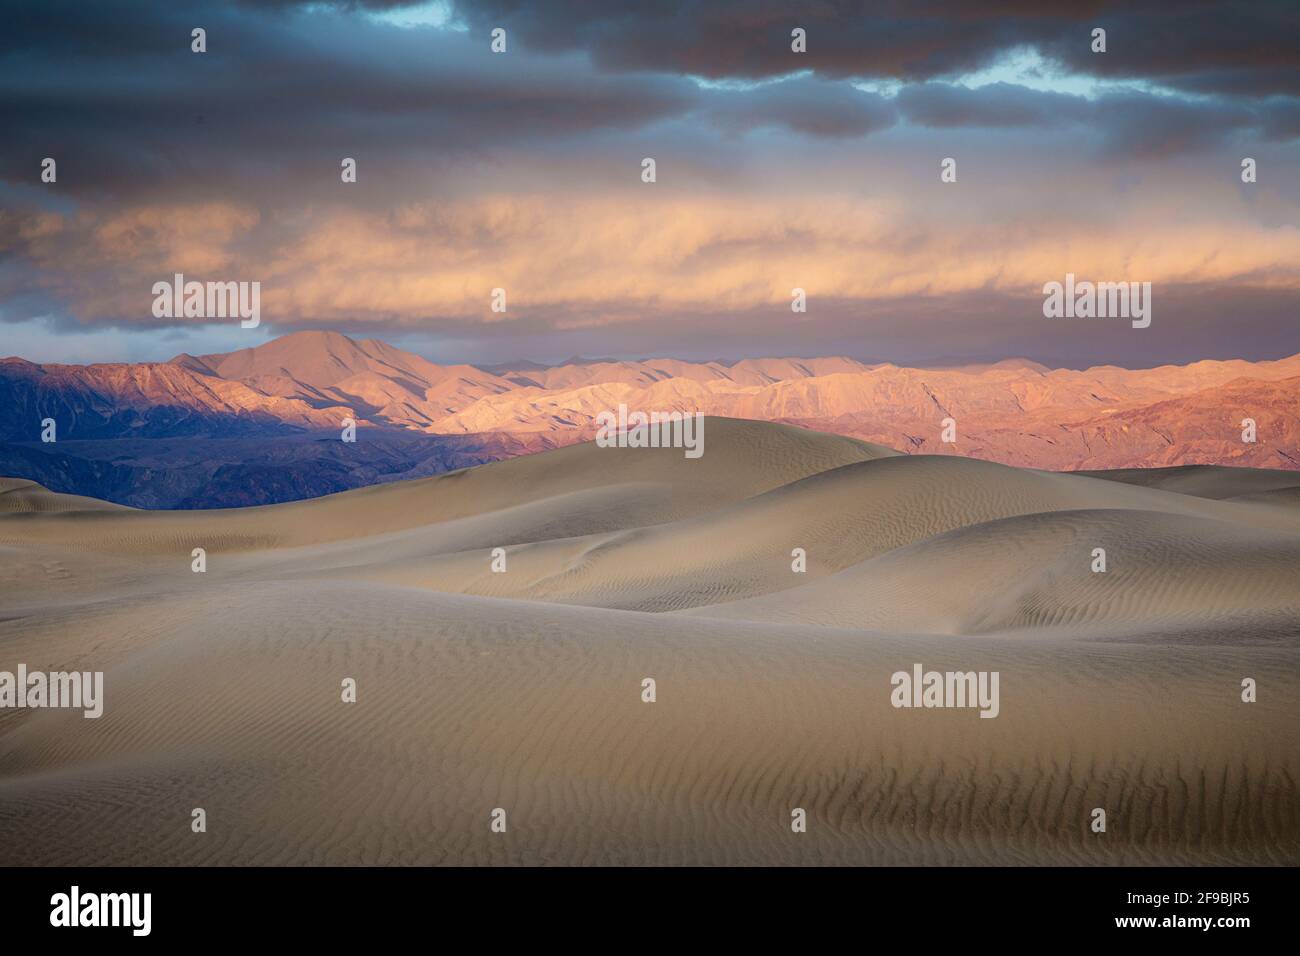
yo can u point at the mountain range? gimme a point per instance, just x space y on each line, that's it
418 417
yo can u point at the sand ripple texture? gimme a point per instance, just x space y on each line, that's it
522 690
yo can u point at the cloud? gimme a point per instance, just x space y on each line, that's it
521 170
1134 124
587 259
1248 47
803 105
997 105
287 90
118 98
1122 123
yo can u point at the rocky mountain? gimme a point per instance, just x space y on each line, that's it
376 381
417 416
1017 413
145 400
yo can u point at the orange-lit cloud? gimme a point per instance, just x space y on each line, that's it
619 257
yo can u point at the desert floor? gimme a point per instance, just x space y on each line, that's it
522 690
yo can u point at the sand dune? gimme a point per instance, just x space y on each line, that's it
522 690
1168 578
839 517
1204 481
468 704
20 496
745 458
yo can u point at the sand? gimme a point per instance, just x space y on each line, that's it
523 690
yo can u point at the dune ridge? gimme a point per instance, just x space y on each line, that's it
478 689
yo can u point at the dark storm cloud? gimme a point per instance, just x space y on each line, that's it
113 91
1281 119
1246 48
1125 123
804 105
473 166
1161 126
115 94
997 105
1236 66
752 38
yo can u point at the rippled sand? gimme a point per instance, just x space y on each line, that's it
523 690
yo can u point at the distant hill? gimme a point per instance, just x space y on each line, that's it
432 416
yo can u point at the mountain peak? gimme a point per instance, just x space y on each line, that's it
315 357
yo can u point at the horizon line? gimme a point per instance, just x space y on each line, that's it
936 365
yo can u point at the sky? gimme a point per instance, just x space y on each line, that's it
775 169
